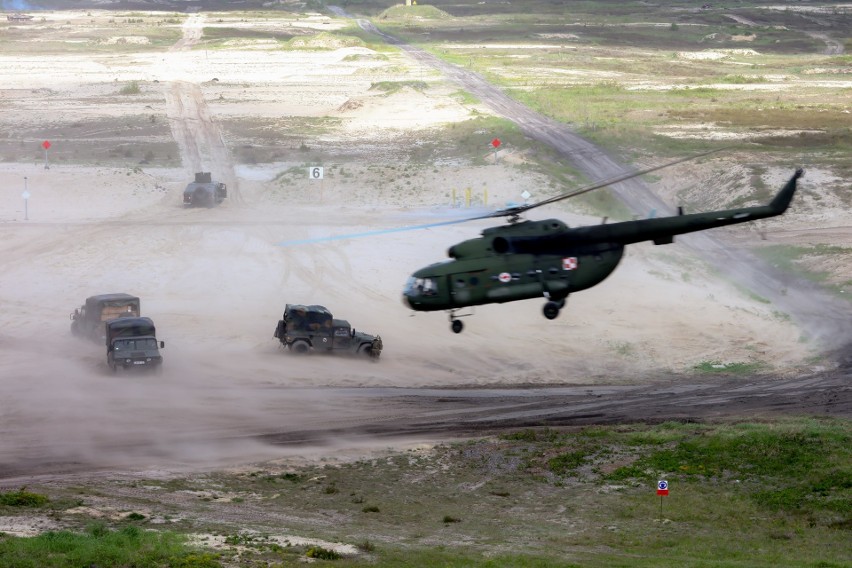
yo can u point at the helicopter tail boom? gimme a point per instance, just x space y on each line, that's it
662 231
659 230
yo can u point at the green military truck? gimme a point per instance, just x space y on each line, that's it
88 320
204 192
132 344
312 328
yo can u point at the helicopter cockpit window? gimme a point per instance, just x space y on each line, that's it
422 286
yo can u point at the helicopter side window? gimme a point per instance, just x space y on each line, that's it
422 286
430 287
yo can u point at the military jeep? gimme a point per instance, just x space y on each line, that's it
204 192
303 329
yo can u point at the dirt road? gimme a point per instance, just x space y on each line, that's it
202 145
288 419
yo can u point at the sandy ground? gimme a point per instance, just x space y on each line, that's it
216 281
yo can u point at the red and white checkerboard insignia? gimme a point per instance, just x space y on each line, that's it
569 263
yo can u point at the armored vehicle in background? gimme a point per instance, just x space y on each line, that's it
132 344
204 192
88 320
313 328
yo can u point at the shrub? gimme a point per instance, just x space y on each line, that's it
132 88
322 553
23 498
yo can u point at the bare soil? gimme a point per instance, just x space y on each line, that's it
215 281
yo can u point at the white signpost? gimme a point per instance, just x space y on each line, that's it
26 196
315 172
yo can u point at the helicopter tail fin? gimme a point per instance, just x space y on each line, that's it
781 201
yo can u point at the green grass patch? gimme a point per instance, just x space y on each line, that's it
131 88
100 546
401 12
466 98
737 368
739 79
221 34
324 41
532 435
321 553
390 87
22 498
800 260
567 463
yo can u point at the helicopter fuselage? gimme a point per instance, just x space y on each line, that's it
479 274
531 259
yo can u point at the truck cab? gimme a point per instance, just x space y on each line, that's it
132 344
304 328
88 320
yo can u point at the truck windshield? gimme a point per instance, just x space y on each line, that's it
135 344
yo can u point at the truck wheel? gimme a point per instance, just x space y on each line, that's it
300 347
365 350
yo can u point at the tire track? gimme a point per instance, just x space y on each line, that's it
201 142
389 413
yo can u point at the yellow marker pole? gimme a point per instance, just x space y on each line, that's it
485 197
454 197
467 197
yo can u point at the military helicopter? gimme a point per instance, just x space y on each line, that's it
530 259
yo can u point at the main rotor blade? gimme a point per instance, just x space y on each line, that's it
502 212
374 233
611 181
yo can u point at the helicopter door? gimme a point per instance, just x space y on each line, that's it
463 287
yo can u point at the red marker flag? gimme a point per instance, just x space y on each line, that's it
662 487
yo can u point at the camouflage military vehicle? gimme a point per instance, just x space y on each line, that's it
312 328
204 192
88 320
132 344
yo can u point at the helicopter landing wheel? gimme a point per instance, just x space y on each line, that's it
457 326
551 309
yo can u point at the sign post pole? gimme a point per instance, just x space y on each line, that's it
26 196
662 491
45 145
316 172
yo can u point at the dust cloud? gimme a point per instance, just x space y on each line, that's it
215 281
